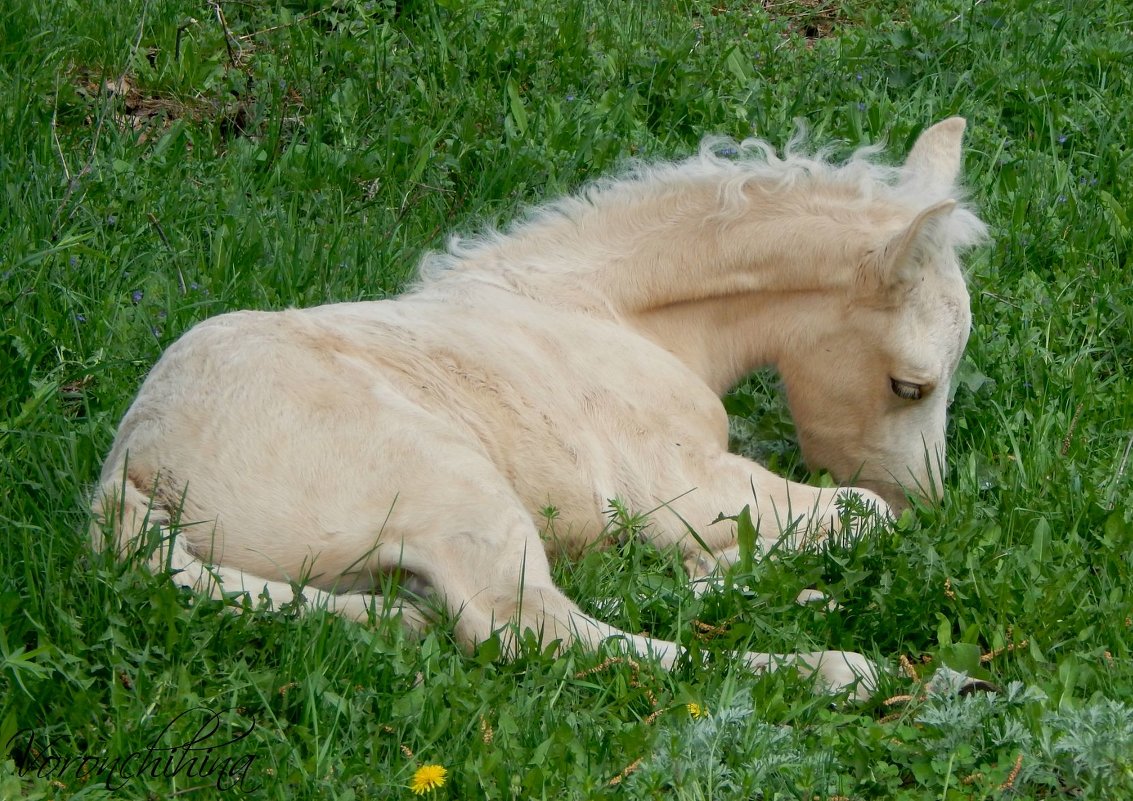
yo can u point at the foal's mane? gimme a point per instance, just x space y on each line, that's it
730 166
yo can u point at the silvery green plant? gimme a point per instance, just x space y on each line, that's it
1093 747
983 721
1085 750
727 753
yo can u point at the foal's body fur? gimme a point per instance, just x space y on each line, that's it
577 359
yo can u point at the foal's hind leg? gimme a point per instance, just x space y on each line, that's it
221 581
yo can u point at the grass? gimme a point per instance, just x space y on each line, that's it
161 162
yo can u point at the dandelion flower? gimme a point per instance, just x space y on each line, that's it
696 711
428 778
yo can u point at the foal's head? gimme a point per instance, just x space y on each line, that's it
869 392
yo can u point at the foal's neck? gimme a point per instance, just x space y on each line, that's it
726 292
721 283
725 338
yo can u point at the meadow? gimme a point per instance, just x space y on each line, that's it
162 161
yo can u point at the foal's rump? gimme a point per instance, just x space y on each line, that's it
270 446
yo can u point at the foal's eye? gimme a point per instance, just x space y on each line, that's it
903 389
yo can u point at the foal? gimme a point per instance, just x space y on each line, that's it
577 358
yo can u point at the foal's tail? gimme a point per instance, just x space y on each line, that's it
136 520
124 514
139 522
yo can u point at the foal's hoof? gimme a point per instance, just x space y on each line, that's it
946 681
841 671
811 596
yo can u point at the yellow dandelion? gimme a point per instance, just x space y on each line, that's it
427 778
696 711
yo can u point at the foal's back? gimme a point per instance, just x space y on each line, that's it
286 437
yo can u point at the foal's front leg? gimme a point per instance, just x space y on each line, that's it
492 573
785 514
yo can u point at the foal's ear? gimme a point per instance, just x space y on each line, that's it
934 161
902 259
